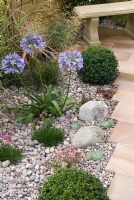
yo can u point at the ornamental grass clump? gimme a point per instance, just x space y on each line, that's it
44 72
100 66
7 151
48 136
62 34
72 184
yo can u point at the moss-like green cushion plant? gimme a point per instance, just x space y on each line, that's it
100 66
8 152
48 136
72 184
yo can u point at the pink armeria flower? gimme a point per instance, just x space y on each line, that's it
5 136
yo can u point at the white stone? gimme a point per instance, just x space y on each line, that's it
47 150
88 135
93 111
6 163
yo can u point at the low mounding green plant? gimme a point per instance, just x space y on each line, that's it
48 135
100 66
75 125
8 152
50 102
120 20
62 34
72 184
105 124
94 155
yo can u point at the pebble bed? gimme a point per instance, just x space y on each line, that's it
23 180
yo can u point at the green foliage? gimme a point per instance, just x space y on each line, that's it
61 34
94 155
12 79
105 124
36 73
100 66
120 20
44 73
97 1
72 184
49 103
75 125
48 135
8 152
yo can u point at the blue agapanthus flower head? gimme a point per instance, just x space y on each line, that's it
70 59
13 63
31 41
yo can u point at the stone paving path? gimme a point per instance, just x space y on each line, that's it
122 160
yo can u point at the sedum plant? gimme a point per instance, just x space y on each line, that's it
105 124
94 155
75 125
72 184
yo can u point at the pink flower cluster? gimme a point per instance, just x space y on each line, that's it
69 153
5 136
65 158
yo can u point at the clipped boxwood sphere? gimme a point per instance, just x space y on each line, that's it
100 66
72 184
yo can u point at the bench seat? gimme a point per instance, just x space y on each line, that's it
91 14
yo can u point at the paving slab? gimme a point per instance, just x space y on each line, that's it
123 133
122 160
124 47
107 44
124 83
121 188
124 112
126 67
131 58
125 96
118 39
122 56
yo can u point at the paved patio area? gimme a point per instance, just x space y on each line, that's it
122 160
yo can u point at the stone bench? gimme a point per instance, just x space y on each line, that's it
91 15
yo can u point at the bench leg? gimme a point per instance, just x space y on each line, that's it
130 24
91 31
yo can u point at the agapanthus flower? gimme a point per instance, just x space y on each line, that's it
70 59
13 63
31 41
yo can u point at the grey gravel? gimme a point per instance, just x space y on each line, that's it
22 181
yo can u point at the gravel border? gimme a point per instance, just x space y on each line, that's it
23 180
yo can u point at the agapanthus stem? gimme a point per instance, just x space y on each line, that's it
68 87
